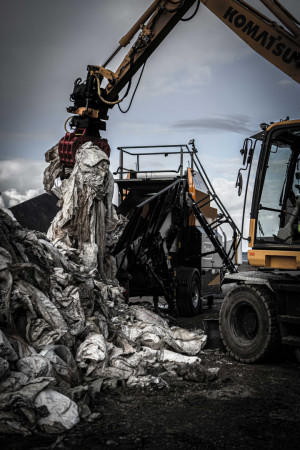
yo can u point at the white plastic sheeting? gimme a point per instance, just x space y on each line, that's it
63 412
87 219
92 353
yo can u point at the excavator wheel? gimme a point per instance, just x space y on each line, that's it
188 294
248 324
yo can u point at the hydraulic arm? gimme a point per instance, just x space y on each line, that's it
91 101
93 98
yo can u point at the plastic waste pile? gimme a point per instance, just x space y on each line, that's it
66 333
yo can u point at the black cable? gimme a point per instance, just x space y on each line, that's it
193 15
130 81
137 85
128 88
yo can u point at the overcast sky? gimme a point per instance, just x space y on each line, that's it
203 82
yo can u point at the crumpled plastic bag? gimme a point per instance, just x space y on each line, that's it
53 170
157 337
146 381
5 259
13 382
92 353
6 350
63 363
28 390
68 302
35 366
147 316
18 412
45 324
110 373
22 347
130 364
167 356
63 412
185 341
4 369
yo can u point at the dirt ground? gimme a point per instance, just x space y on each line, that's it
248 406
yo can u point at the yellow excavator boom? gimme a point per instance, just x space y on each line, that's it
280 46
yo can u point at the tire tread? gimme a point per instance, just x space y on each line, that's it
184 308
273 340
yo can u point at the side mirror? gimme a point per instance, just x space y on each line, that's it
245 150
239 183
192 144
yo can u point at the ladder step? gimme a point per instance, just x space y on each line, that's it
213 238
291 340
289 319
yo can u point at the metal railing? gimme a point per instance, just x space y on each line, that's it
184 150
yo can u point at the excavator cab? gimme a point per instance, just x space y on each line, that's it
279 204
275 217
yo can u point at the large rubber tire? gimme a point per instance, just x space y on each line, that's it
188 295
248 324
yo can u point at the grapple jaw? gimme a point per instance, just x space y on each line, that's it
69 144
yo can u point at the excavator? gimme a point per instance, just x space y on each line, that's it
262 311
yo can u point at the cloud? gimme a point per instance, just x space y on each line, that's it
3 207
170 80
237 123
12 197
286 82
21 136
20 180
218 167
21 175
143 128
